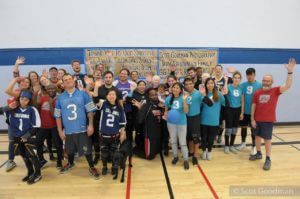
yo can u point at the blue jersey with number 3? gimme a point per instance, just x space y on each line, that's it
112 118
73 108
177 105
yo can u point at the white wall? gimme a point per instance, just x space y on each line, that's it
159 23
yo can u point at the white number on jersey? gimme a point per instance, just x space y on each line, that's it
236 93
175 105
110 120
73 111
124 94
21 125
249 90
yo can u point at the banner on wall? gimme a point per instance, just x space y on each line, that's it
157 61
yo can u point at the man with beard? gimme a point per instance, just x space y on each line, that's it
263 113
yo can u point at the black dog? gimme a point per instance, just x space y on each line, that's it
121 155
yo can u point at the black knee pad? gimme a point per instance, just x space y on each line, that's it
195 138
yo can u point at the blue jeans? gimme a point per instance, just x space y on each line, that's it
11 154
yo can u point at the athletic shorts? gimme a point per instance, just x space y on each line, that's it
264 130
193 127
246 121
78 142
232 117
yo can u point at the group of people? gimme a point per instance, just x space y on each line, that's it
93 114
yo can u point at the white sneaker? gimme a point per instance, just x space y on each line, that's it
253 150
204 155
226 149
10 165
209 155
241 146
233 150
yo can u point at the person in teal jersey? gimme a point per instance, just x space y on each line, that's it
234 112
249 87
210 116
194 101
177 129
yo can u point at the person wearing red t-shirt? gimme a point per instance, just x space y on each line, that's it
263 113
48 128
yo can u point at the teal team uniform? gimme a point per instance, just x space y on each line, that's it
177 105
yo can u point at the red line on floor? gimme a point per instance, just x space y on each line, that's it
128 183
208 183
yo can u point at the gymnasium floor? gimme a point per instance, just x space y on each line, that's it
147 179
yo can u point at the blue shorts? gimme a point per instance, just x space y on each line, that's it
264 130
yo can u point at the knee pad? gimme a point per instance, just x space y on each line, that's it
104 152
234 131
196 139
117 158
228 132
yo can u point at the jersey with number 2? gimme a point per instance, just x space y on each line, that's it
73 108
112 119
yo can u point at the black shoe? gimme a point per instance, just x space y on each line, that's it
175 160
66 168
43 163
166 152
267 165
96 160
34 178
58 165
93 171
257 156
194 161
51 157
104 171
26 178
186 165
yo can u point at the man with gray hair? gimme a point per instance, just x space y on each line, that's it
263 113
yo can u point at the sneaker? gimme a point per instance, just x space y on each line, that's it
104 171
43 163
10 165
186 165
51 157
241 146
59 165
166 152
256 156
209 156
194 161
96 160
66 168
204 154
219 139
34 178
233 150
93 171
267 165
226 149
253 150
175 160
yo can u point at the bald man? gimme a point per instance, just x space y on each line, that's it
263 113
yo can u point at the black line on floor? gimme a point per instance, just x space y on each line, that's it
166 176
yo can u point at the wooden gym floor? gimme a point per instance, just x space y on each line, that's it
149 179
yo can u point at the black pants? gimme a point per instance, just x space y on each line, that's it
95 138
25 149
164 135
109 146
207 136
44 134
129 126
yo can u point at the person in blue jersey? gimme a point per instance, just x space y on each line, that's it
210 117
234 112
219 79
194 100
112 129
23 120
71 111
177 129
126 86
249 87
